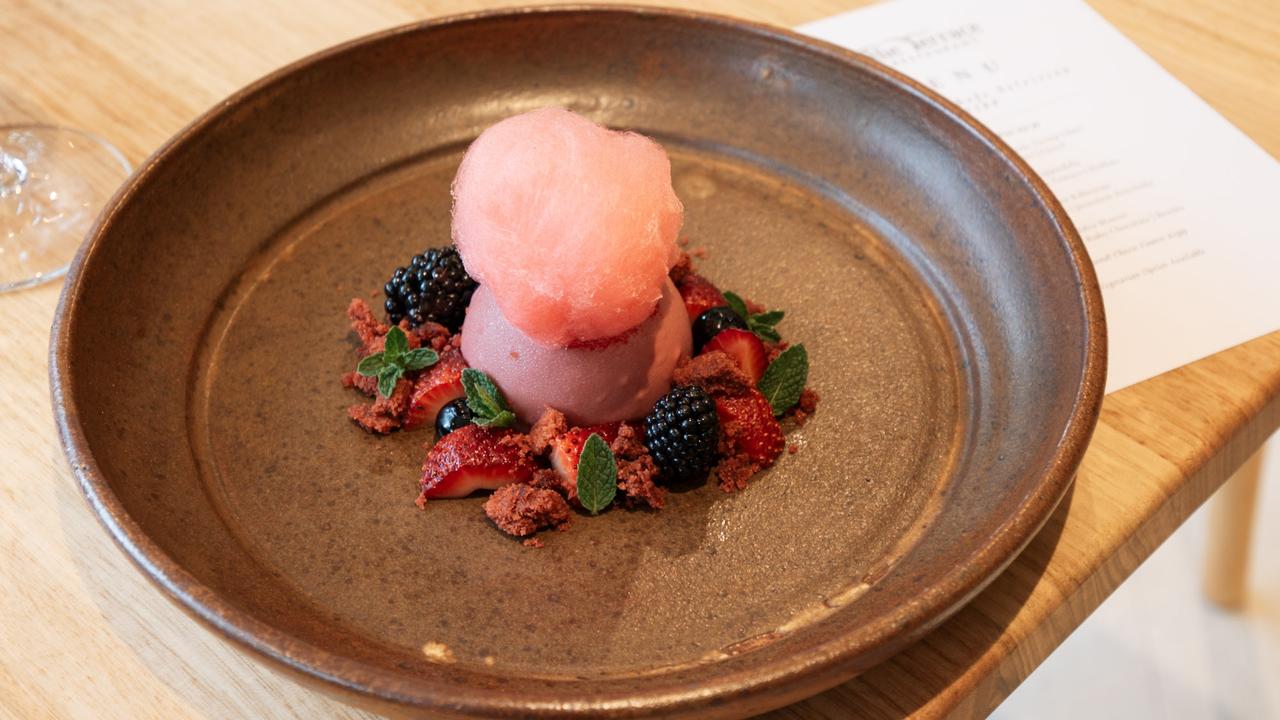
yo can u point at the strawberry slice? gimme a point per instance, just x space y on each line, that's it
699 295
747 420
566 450
434 388
473 458
744 347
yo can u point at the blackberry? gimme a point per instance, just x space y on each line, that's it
710 323
682 432
454 415
435 287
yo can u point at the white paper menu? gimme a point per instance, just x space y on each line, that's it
1179 210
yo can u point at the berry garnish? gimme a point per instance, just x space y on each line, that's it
784 380
682 432
473 458
749 424
744 347
762 323
394 361
488 406
699 295
597 480
566 450
710 323
434 389
435 287
454 415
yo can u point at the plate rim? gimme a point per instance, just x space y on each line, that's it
785 680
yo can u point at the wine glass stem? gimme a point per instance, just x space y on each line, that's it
13 172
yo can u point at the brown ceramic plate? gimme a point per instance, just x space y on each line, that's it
952 317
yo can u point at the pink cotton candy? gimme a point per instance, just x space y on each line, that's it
570 225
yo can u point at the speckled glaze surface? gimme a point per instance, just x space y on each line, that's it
953 321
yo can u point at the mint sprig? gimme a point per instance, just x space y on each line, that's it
597 475
762 324
785 378
394 361
488 407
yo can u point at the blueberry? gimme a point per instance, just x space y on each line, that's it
455 414
710 323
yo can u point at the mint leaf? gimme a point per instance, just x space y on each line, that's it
759 323
785 378
488 407
482 395
419 359
370 365
771 318
394 361
397 344
504 418
597 475
764 332
736 303
387 379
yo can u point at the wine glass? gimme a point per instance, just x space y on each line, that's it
53 182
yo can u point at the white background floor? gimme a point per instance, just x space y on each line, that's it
1157 649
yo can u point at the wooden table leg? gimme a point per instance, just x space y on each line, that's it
1230 527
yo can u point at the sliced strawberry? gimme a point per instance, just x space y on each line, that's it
747 420
434 388
699 295
473 458
566 449
744 347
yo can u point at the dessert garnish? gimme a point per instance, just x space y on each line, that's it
453 415
783 381
568 355
434 390
394 361
682 433
761 323
714 321
488 406
744 347
434 287
597 479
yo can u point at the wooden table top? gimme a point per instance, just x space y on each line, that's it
83 633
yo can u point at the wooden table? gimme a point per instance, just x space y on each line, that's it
83 633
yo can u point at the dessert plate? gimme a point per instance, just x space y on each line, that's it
953 322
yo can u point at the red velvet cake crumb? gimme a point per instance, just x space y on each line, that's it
636 471
522 510
805 408
636 481
366 327
383 415
715 372
735 471
551 424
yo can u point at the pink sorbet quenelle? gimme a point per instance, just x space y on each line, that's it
571 226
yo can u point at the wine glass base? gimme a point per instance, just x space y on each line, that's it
53 182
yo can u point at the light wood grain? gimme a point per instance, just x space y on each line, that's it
82 634
1231 518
